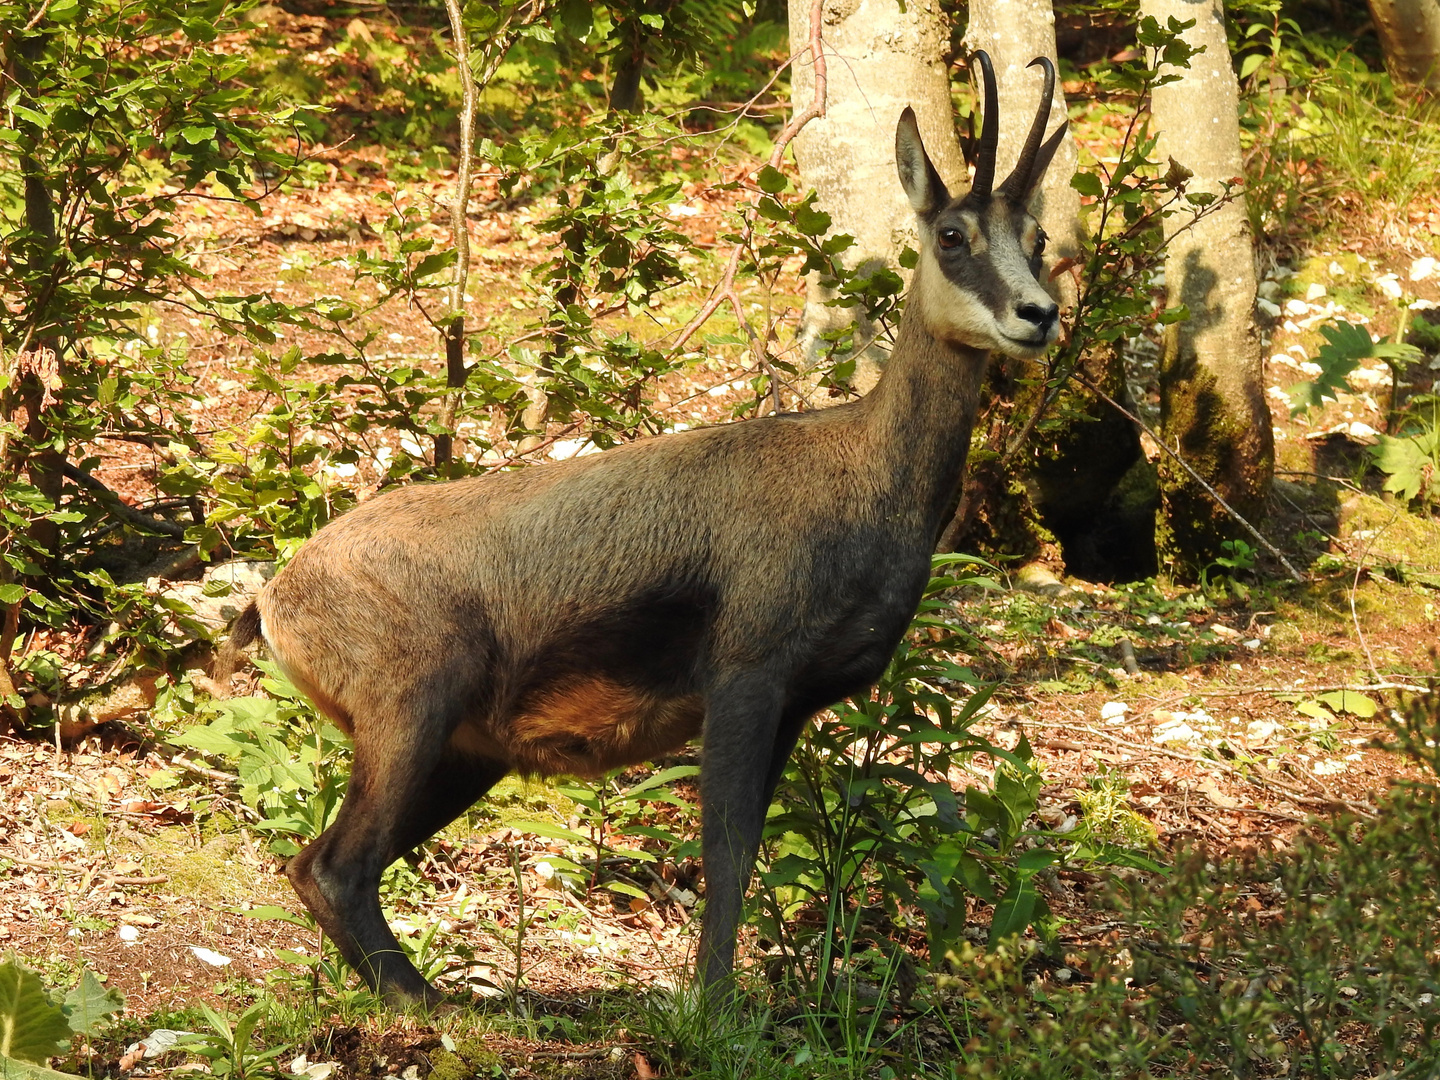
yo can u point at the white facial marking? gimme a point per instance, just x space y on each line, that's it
961 317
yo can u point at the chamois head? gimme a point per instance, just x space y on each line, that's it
980 253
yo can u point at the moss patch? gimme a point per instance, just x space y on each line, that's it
1389 534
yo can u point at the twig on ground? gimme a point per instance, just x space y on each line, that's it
1355 587
202 770
1325 800
103 881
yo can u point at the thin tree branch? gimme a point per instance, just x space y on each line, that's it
724 290
1175 454
117 506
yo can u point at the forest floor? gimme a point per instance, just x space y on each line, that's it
124 854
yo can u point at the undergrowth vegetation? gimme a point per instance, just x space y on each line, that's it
904 815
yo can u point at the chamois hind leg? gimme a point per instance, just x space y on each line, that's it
401 791
742 722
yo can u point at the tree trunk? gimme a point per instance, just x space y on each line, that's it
1212 399
1015 32
1409 32
886 55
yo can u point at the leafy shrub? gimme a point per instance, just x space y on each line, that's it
35 1027
290 764
866 820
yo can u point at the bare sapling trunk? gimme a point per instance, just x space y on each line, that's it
453 326
1213 411
475 69
36 368
884 55
1409 32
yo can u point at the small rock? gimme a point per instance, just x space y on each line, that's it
1259 731
1422 268
239 580
1113 711
1033 577
1176 732
1315 291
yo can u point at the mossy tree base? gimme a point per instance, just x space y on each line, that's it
1231 445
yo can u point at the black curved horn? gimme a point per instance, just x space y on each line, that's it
1018 182
990 132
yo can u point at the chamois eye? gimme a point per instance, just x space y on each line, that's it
951 238
1040 239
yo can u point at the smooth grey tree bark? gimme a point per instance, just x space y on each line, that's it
1409 32
1212 398
882 55
1015 32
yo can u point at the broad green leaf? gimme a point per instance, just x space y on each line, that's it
87 1006
13 1069
32 1027
1409 463
1315 709
772 181
1087 184
1013 912
1350 701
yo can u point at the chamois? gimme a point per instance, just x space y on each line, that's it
727 582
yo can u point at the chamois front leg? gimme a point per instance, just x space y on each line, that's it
742 720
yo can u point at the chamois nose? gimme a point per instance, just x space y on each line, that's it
1043 317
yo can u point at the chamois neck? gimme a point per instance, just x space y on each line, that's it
919 415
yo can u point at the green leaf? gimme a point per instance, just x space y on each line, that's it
1013 912
1035 859
273 912
87 1006
11 594
1250 63
772 181
576 16
32 1027
11 1069
1409 463
1087 184
624 888
433 264
1350 701
550 831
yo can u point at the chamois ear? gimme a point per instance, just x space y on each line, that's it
1046 155
918 177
